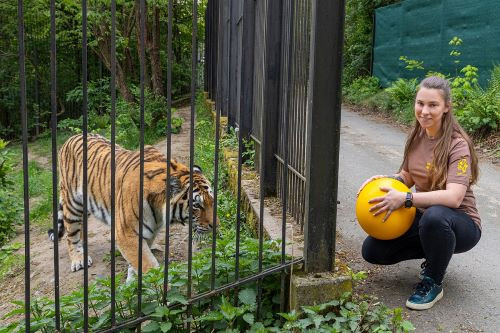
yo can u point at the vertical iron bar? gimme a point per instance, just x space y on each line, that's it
301 99
245 101
214 217
55 201
294 107
169 145
285 153
240 161
142 61
85 174
324 100
113 162
262 148
191 152
228 110
216 179
24 125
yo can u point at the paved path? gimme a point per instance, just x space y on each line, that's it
471 300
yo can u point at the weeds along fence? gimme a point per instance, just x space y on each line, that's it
273 67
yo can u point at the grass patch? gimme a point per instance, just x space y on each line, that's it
40 192
10 261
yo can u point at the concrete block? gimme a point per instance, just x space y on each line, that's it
318 288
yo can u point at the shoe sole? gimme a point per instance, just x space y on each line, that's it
425 306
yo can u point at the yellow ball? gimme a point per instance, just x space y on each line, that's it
398 222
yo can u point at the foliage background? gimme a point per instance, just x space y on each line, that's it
69 67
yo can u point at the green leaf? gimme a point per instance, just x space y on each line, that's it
407 326
248 296
165 327
291 316
151 327
177 298
249 318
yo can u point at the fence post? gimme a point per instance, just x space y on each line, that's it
247 68
323 134
272 80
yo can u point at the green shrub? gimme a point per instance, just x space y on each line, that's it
127 115
402 93
480 112
10 207
362 89
382 101
358 37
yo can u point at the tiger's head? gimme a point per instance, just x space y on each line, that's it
203 204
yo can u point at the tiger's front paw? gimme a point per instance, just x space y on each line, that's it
78 263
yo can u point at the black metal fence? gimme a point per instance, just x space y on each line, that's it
273 66
264 60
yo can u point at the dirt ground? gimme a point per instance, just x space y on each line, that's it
42 253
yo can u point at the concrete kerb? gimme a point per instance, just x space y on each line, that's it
318 288
305 289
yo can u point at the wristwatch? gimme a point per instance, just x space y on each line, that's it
409 200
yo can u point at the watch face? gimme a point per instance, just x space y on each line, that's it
408 201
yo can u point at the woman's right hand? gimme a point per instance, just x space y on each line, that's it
369 180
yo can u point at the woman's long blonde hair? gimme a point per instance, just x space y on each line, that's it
450 128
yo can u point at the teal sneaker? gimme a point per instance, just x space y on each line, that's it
427 293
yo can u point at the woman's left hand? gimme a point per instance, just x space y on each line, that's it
388 203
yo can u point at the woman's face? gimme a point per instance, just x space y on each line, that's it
430 107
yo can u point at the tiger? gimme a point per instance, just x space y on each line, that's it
127 182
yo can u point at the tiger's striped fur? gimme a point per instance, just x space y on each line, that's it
127 178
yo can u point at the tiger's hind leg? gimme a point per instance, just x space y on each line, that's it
73 217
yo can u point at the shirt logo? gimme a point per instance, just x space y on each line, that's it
462 167
428 166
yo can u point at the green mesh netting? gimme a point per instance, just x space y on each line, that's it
422 29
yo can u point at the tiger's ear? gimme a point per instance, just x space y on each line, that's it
196 168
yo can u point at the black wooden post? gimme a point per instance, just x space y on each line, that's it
323 134
272 69
219 56
247 68
215 47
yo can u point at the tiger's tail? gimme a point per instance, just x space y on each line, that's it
60 224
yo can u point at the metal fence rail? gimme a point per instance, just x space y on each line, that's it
269 43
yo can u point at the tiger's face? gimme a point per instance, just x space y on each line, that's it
203 206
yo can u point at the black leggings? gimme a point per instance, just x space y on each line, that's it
435 235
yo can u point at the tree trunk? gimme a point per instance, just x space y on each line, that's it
103 50
154 53
147 80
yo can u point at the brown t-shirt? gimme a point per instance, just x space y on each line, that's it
419 162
